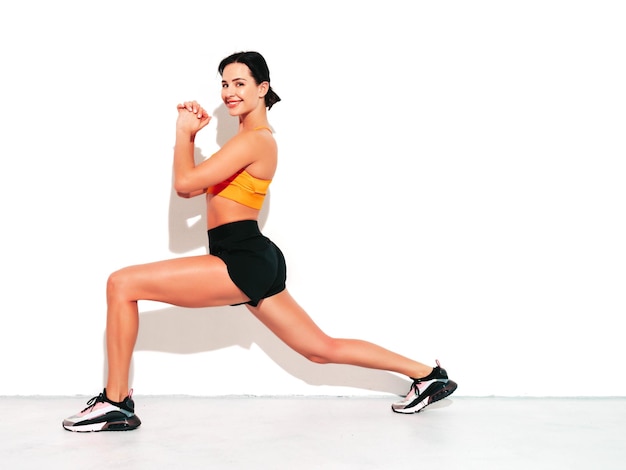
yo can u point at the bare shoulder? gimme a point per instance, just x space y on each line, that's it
263 150
260 138
252 141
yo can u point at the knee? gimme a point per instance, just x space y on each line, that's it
325 351
117 284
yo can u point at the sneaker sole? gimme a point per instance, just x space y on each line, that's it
445 391
125 425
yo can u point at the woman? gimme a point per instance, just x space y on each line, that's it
243 266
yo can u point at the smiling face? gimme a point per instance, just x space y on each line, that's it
240 92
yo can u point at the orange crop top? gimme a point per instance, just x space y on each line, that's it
243 188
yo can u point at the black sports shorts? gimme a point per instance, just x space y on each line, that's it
255 264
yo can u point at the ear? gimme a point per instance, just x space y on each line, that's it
263 89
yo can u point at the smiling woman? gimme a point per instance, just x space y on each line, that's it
256 68
243 266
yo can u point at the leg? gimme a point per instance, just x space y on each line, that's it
197 281
283 316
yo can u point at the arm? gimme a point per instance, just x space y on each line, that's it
191 179
191 194
191 118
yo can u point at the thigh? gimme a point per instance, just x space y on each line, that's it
290 322
195 281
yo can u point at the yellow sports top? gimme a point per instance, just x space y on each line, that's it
243 188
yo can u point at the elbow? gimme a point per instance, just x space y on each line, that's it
182 186
185 186
187 194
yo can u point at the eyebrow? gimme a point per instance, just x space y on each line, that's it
234 80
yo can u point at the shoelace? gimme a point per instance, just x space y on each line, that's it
94 401
414 386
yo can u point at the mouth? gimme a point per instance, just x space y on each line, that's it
232 103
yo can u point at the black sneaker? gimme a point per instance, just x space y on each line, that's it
434 387
103 414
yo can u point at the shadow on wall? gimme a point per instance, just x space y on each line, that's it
187 331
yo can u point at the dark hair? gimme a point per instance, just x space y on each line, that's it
258 68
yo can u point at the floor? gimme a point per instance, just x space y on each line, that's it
321 433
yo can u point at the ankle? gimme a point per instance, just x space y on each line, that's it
115 394
423 372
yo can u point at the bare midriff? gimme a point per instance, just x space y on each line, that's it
222 211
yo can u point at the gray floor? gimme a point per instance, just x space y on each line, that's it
322 433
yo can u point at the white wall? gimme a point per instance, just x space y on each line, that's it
451 185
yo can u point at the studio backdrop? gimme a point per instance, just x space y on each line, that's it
450 186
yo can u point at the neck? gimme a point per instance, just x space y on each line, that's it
255 118
250 123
